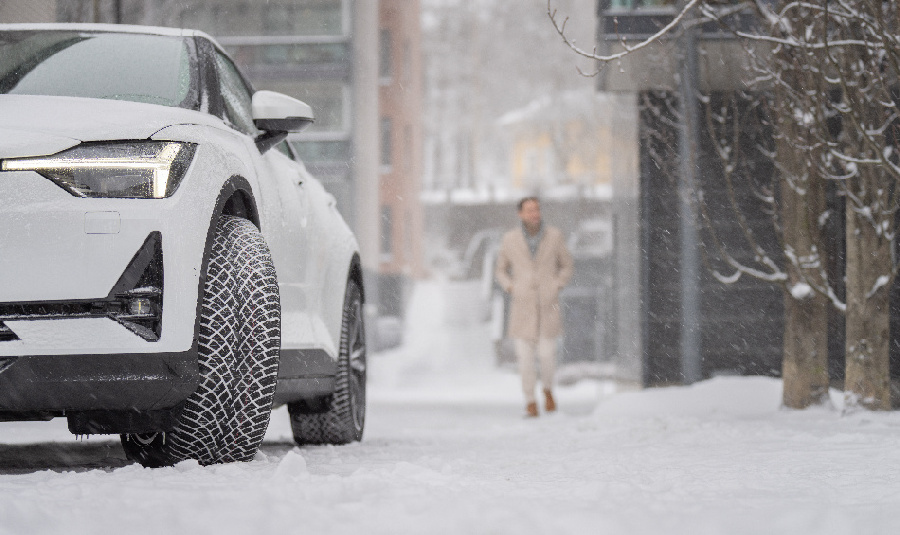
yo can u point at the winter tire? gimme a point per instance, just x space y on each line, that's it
339 418
239 340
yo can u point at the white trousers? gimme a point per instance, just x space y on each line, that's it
545 348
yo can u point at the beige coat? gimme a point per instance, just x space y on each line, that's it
534 283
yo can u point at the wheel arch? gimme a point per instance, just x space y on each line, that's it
236 199
356 275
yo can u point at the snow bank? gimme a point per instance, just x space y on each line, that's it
723 396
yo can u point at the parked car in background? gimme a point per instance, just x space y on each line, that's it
587 301
169 270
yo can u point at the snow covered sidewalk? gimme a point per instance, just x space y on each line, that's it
719 457
447 452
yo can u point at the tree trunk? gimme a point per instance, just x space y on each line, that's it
866 112
805 364
869 280
805 344
802 203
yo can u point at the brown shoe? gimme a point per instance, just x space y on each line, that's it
531 410
549 402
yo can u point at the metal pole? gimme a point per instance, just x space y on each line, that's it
691 368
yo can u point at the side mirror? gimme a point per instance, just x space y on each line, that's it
276 115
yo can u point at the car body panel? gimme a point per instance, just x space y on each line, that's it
22 142
46 119
45 214
56 247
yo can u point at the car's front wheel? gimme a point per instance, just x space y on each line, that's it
239 341
339 418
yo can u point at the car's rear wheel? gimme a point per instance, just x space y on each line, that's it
339 418
239 341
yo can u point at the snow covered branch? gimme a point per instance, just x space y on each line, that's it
606 58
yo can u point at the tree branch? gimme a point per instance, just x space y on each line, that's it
561 30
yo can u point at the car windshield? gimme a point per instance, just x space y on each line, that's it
141 68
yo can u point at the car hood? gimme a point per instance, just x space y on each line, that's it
41 125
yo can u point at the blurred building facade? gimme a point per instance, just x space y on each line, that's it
572 140
357 63
400 155
508 115
28 11
738 326
678 323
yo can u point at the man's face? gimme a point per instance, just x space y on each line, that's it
531 214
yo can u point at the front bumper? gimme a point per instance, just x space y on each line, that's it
59 249
57 384
64 344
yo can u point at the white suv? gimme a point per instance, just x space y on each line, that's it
168 268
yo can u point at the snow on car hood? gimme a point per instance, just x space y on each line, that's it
40 125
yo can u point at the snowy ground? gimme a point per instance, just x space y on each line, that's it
447 452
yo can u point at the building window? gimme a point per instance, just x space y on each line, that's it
312 151
326 18
329 100
294 54
385 57
386 144
318 17
387 233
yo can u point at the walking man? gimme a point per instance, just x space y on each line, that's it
533 266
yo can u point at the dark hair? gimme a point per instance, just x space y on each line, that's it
526 199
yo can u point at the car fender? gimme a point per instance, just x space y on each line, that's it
216 174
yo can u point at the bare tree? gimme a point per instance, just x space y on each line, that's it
832 72
836 66
862 62
794 198
802 206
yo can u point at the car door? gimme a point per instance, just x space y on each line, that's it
295 243
283 209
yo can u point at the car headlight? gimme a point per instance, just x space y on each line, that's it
134 170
